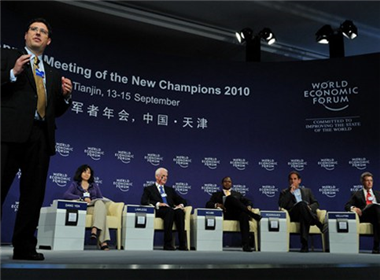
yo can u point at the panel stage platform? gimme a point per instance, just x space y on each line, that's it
231 263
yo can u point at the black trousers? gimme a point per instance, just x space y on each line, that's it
32 158
236 210
170 216
372 215
301 213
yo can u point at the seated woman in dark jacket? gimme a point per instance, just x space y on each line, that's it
85 189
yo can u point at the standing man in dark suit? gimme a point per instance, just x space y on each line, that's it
365 203
302 207
169 206
235 207
33 94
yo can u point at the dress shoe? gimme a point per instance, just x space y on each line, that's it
169 248
375 251
182 248
29 257
247 248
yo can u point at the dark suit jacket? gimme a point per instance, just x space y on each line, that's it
151 195
287 200
19 101
217 197
358 200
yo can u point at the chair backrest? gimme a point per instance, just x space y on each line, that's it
115 214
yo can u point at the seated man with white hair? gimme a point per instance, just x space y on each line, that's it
169 206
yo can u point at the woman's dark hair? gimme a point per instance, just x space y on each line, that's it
80 170
44 21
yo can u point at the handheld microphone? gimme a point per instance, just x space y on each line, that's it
24 52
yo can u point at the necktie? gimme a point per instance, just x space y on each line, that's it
368 200
163 193
228 192
41 102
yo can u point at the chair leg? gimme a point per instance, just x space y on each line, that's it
118 233
323 242
188 239
256 241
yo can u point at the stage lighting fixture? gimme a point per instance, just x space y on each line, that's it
268 36
334 37
323 34
253 42
349 29
244 35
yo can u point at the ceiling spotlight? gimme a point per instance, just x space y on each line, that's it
334 37
253 42
268 36
323 34
349 29
244 35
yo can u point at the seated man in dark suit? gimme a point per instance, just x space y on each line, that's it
302 207
235 207
365 203
169 206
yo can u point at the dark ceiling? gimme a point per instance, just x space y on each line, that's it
205 29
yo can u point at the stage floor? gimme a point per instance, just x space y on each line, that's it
158 264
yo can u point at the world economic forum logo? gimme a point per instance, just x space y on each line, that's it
123 184
182 187
268 164
154 159
297 164
94 153
359 163
239 163
182 161
268 190
329 190
333 95
63 149
14 206
124 156
211 162
60 179
328 163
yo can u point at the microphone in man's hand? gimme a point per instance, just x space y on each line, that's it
24 52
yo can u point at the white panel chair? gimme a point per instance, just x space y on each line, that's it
234 226
114 220
294 227
363 228
159 225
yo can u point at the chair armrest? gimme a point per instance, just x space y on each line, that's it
321 214
115 209
287 216
188 210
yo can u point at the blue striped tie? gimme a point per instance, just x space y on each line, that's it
162 193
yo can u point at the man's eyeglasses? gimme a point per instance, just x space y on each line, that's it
41 30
